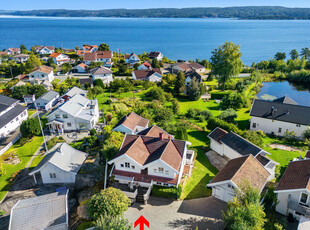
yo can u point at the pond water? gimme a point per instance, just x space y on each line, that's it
297 92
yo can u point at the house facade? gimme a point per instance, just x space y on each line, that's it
47 100
131 123
29 99
132 58
278 116
59 58
11 115
236 172
293 190
59 166
76 114
45 50
156 55
102 73
80 68
20 58
153 75
42 73
147 160
231 146
145 66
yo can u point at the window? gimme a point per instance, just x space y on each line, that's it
166 184
16 118
297 125
303 198
122 165
166 172
155 170
161 170
254 125
69 124
159 183
65 115
127 165
280 130
57 115
133 167
52 175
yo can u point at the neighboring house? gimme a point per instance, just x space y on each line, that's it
102 73
20 83
89 58
153 75
189 76
80 68
231 146
12 51
86 82
132 58
45 50
76 114
11 115
59 166
48 212
293 190
29 99
42 73
236 172
59 58
99 56
131 123
23 77
156 55
47 100
90 48
144 160
155 131
187 67
197 67
145 66
46 84
20 58
76 90
278 116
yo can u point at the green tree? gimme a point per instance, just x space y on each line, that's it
194 90
111 200
181 134
253 137
95 91
179 85
280 56
155 63
305 52
30 128
245 211
306 134
98 82
107 222
234 101
65 68
95 64
32 63
228 115
294 54
175 106
226 62
23 49
104 47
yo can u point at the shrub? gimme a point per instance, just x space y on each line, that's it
181 134
290 136
219 94
253 137
107 222
228 115
156 93
214 122
98 82
206 114
30 127
234 101
306 134
92 132
192 113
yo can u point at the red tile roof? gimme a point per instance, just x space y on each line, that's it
44 69
55 55
154 131
144 74
90 56
132 120
104 54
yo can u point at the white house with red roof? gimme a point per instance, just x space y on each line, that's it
145 66
42 73
59 58
90 48
99 56
132 58
80 68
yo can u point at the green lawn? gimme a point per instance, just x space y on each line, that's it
24 153
31 111
203 172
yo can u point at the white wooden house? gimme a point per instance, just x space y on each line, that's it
131 123
102 73
59 58
132 58
42 73
59 166
47 100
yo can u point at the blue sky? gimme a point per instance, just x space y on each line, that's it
137 4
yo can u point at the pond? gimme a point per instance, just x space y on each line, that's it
297 92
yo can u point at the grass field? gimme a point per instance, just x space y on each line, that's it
31 112
24 153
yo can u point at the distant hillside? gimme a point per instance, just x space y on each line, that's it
250 12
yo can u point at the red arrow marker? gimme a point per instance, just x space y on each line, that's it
142 221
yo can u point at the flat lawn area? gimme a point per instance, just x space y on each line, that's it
31 111
203 172
24 153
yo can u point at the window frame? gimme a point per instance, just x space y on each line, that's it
304 203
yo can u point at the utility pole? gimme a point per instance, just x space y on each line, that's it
41 129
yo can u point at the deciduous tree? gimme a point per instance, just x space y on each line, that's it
104 47
294 54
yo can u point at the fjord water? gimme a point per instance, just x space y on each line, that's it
298 92
176 38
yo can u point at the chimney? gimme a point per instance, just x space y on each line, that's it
169 137
161 136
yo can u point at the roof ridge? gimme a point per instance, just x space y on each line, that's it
247 141
60 197
281 103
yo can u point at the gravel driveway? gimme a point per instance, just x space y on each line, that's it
206 213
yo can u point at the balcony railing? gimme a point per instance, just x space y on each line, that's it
297 207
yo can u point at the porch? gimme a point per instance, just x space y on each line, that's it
56 127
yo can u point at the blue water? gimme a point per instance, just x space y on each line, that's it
273 90
176 38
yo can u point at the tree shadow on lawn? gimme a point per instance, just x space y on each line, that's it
200 136
201 223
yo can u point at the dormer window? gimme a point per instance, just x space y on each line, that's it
303 198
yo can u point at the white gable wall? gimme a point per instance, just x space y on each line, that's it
168 171
41 76
13 124
123 129
155 77
62 177
269 126
122 160
223 192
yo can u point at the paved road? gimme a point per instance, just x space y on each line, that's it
206 213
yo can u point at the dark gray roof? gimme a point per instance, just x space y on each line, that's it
6 102
50 95
193 74
282 109
286 100
235 142
262 159
11 114
41 212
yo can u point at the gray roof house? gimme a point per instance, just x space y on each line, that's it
75 90
76 114
59 166
231 146
280 115
47 100
48 212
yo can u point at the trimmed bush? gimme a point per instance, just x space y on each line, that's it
219 94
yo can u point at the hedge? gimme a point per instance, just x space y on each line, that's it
219 94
